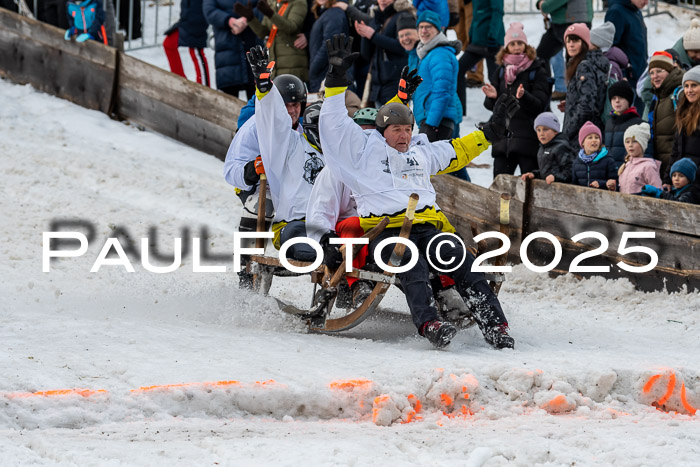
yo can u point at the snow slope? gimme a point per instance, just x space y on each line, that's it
571 392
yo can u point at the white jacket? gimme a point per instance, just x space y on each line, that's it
291 163
330 202
243 149
380 177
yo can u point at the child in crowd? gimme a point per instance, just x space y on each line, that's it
638 170
593 167
623 116
683 174
554 157
86 19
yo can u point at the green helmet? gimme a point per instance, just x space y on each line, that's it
393 113
365 116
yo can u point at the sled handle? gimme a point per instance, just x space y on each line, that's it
262 208
504 227
410 215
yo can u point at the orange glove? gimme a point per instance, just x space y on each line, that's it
259 168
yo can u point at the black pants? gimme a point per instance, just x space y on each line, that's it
508 164
472 286
234 90
473 55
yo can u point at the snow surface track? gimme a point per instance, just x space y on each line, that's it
584 349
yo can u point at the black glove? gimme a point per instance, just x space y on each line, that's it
264 8
430 131
244 11
408 84
340 59
250 176
262 69
332 257
503 111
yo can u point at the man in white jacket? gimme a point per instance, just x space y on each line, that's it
382 168
240 164
291 160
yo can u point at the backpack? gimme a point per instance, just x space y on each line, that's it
83 14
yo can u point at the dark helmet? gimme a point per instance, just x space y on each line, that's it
310 124
394 113
366 116
292 89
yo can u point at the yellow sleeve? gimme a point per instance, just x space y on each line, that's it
259 94
395 99
467 148
334 91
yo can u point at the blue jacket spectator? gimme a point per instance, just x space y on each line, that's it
232 70
329 21
192 25
630 34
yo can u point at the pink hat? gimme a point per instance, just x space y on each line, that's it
515 32
588 128
580 30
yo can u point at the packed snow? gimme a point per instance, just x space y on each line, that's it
183 368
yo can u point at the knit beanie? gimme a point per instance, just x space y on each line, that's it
691 38
603 36
515 32
549 120
692 75
687 167
405 22
622 89
641 133
431 17
588 128
663 60
579 30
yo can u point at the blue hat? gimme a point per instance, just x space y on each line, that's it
430 17
687 167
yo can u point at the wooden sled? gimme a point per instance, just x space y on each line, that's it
319 316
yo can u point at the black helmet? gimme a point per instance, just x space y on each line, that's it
310 124
291 88
394 113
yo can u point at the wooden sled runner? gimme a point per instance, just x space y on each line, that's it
319 317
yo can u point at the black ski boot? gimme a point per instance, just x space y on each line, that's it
344 298
360 291
498 337
439 333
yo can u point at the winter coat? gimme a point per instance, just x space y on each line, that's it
619 62
687 194
538 90
487 23
662 119
383 50
684 146
601 169
438 6
436 97
586 94
95 9
231 65
568 11
555 158
630 34
193 25
331 21
615 133
683 57
288 59
639 171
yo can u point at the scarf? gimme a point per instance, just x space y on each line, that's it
515 64
587 158
423 49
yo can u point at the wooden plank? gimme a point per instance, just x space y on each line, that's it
156 84
35 53
602 204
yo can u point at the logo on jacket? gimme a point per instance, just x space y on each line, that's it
312 167
386 165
